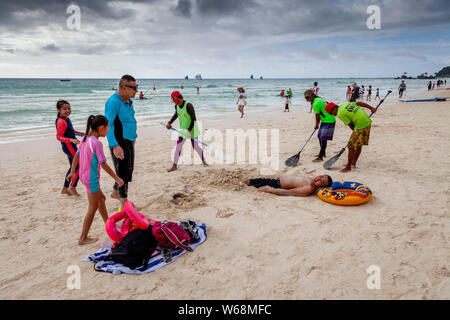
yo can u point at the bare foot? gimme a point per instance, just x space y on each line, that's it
65 191
354 165
87 241
73 191
317 159
205 164
115 194
174 167
247 181
346 169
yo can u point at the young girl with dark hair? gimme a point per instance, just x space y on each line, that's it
67 136
90 156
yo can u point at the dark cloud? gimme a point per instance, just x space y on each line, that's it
224 7
51 47
184 8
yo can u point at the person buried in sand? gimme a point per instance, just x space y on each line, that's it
290 185
352 115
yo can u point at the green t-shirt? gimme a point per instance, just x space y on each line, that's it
319 108
350 112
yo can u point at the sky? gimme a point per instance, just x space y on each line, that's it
223 38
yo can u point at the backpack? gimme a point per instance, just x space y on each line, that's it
171 235
135 249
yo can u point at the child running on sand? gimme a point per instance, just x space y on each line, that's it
66 135
378 94
90 156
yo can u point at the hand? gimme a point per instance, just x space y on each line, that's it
373 110
168 125
70 176
119 182
265 189
118 152
76 141
316 127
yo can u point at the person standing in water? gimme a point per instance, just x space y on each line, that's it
242 100
185 113
315 90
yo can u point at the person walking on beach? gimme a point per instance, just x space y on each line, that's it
185 113
369 94
378 94
290 185
315 90
90 158
288 102
122 135
242 100
66 134
349 93
401 89
361 93
326 120
429 85
355 92
359 122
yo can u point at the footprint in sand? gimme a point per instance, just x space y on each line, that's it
224 213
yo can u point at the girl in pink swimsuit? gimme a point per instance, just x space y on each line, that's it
90 157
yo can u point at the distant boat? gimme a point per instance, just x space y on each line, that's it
186 78
198 77
65 80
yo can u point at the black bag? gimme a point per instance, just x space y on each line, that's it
135 249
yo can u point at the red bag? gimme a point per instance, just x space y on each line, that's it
170 234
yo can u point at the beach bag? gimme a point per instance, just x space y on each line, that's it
135 249
170 234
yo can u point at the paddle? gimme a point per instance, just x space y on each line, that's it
216 152
292 161
327 165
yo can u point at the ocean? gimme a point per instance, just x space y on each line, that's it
28 106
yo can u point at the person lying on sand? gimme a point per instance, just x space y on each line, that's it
290 185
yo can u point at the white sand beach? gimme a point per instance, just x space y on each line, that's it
259 246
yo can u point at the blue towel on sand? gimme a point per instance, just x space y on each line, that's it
155 262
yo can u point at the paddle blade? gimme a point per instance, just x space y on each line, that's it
292 161
327 165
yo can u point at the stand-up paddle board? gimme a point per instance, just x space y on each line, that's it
421 100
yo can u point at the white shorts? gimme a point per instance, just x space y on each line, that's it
242 102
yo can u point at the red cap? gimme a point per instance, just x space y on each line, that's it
175 94
329 106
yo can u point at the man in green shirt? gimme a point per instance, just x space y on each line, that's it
185 113
326 120
357 119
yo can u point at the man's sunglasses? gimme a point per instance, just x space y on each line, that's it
132 87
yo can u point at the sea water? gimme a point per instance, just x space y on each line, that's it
28 106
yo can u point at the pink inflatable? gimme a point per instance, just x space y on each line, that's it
131 221
110 225
138 218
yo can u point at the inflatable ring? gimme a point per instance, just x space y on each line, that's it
138 218
345 193
110 225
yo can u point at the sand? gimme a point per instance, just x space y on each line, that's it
259 246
